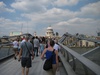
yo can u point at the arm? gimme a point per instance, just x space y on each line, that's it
44 51
20 53
57 62
32 54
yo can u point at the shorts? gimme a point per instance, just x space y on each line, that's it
15 49
26 62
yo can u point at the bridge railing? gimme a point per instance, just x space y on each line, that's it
6 45
80 64
5 51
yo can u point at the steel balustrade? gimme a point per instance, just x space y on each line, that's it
70 54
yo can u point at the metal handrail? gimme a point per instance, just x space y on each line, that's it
92 66
7 54
84 61
7 41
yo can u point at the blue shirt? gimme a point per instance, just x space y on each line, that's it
41 47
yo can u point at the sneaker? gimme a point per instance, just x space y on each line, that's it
37 55
15 58
19 60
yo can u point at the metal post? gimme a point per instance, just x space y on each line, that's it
74 64
85 69
67 57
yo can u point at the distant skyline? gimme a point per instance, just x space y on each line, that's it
73 16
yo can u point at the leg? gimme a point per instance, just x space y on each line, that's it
14 53
23 71
54 68
36 51
27 71
28 65
47 72
17 52
23 63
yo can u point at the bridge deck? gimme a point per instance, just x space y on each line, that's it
13 67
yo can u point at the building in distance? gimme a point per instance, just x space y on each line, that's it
49 32
15 33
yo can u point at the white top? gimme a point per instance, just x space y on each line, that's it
15 44
36 42
23 40
56 47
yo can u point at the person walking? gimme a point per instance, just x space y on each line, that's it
56 46
26 50
48 51
42 46
36 45
15 48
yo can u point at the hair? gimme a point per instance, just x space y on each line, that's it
27 37
36 37
56 41
52 42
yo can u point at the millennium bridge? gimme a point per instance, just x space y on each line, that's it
74 60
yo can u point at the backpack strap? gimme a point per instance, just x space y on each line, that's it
53 50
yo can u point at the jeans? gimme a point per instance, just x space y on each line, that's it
36 50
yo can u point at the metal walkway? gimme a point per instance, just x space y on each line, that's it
13 67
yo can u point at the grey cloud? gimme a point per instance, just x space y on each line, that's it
79 25
61 3
90 10
30 6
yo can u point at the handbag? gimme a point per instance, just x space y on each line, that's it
28 50
48 63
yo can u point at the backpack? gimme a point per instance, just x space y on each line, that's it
48 63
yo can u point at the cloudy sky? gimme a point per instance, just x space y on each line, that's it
73 16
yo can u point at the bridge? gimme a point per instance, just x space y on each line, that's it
73 61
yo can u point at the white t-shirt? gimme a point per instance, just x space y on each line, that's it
23 40
36 43
56 47
15 44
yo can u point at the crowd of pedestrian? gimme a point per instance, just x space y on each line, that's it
27 48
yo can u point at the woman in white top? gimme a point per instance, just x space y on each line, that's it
15 48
